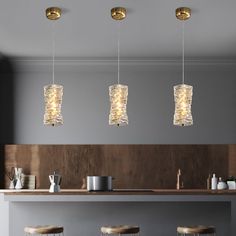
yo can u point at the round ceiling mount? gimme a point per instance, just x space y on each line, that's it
118 13
53 13
183 13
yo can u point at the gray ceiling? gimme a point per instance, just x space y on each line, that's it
150 30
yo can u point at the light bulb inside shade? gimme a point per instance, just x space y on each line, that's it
53 99
183 100
118 99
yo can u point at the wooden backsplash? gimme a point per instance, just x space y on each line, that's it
133 166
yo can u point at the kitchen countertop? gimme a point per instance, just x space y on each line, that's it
118 195
120 192
13 201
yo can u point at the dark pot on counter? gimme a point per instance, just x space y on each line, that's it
99 183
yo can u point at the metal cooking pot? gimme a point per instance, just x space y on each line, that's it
99 183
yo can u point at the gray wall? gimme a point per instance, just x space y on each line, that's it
150 103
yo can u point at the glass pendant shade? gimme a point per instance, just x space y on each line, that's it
53 99
118 98
183 100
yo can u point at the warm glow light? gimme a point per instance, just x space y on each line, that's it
53 99
183 101
118 98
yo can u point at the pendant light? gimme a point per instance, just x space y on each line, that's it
118 92
53 92
183 92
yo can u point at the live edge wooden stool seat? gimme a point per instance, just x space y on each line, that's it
120 229
46 229
196 230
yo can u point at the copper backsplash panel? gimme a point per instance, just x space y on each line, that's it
132 166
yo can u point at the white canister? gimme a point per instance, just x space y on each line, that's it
231 184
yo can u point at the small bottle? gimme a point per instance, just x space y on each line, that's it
208 185
214 182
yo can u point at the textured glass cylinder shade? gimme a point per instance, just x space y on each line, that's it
53 99
183 100
118 98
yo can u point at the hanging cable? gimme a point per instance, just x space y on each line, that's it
183 73
53 50
118 51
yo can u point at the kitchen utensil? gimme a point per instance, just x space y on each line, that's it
221 184
18 177
99 183
12 184
55 181
11 176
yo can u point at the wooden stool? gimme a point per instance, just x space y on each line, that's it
46 229
196 230
120 229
